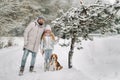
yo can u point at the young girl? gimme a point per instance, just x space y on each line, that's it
47 45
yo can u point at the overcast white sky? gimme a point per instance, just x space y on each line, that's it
77 2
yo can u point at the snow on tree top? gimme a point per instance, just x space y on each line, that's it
81 21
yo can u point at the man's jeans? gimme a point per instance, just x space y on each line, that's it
25 55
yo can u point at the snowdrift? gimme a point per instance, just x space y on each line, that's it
100 59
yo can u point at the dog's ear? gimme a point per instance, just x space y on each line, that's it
56 56
51 57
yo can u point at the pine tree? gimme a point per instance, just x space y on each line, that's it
77 23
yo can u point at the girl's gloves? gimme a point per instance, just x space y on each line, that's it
57 40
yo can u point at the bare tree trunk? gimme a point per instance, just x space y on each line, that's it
70 55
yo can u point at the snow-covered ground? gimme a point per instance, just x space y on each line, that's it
99 60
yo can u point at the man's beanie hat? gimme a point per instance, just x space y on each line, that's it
41 17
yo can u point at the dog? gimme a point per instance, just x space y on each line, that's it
54 62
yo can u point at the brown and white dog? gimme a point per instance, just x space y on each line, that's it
54 62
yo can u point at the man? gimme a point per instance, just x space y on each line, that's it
32 39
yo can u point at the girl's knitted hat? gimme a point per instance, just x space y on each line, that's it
48 28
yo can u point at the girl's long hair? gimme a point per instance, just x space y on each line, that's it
51 34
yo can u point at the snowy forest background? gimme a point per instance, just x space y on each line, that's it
92 60
15 15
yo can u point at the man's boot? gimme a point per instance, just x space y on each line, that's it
21 71
31 68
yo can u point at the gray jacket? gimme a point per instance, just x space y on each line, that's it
32 36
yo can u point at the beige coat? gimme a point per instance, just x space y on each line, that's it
32 36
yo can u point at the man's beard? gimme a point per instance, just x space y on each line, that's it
40 23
